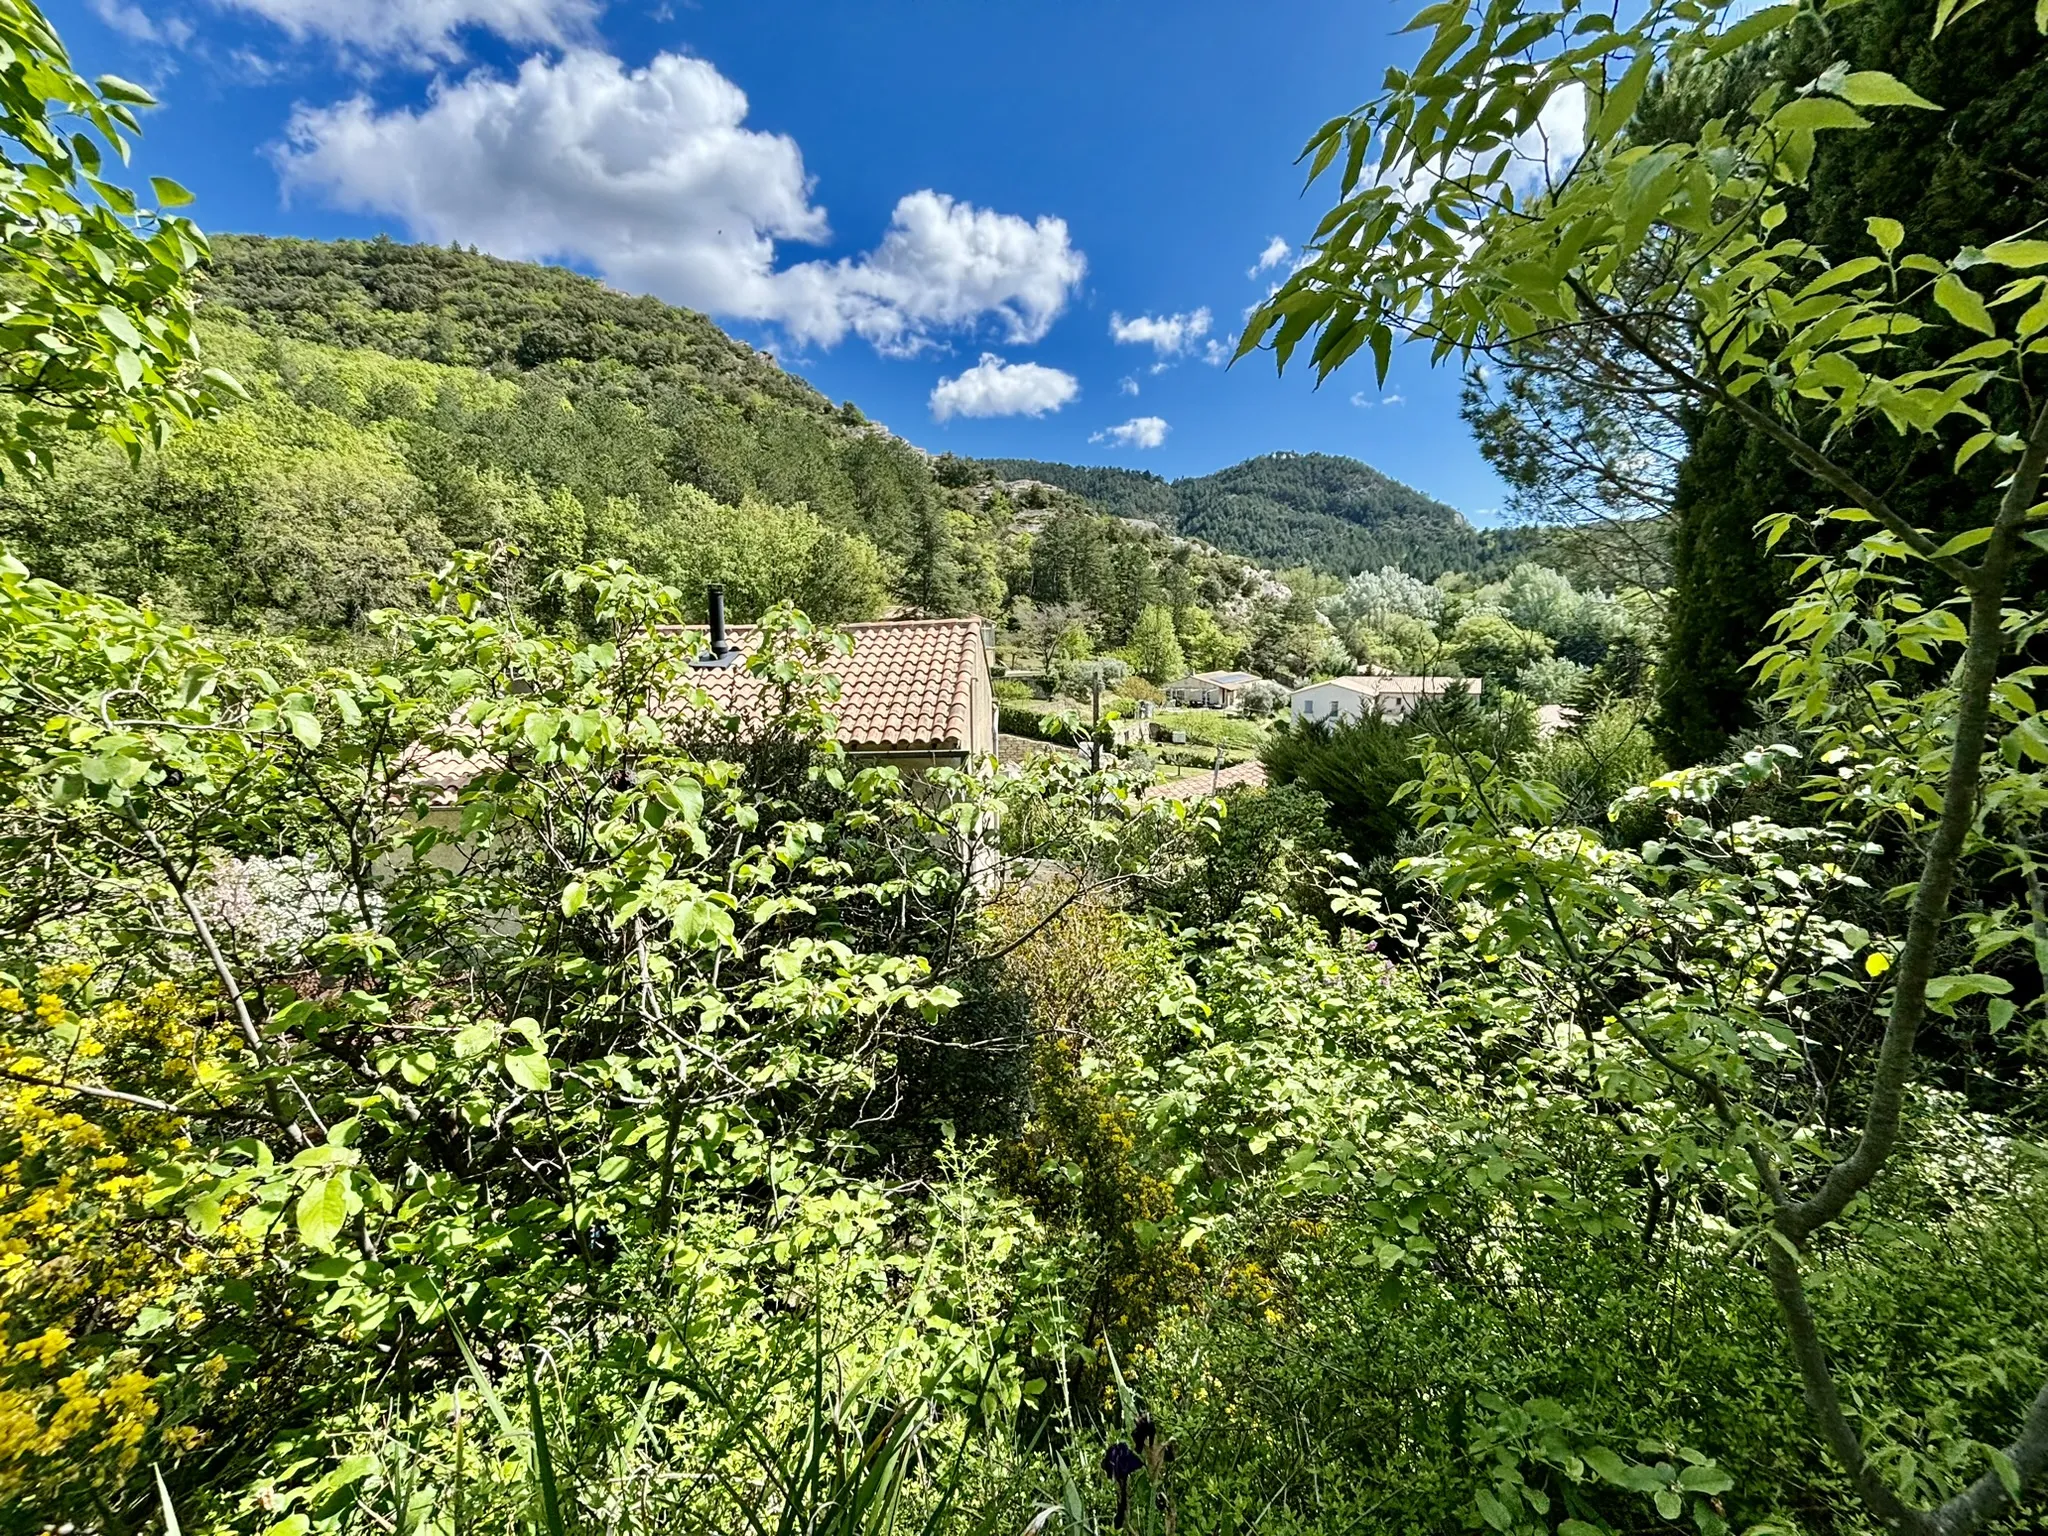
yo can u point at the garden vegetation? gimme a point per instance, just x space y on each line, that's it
459 1077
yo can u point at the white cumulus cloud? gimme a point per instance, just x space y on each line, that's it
1138 432
943 265
131 20
424 29
1127 385
1549 147
1167 335
1275 254
993 387
652 177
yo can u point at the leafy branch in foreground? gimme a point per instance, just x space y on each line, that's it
97 332
1456 227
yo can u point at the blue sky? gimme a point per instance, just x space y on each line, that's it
949 213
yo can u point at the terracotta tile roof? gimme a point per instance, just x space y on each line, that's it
907 687
1198 786
441 773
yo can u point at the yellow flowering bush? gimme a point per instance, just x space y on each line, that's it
89 1271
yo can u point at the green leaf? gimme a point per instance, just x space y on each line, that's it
1705 1478
574 895
2017 253
1752 27
119 326
1968 539
1670 1503
322 1210
1875 88
1962 304
1493 1512
1944 992
1813 114
474 1040
2001 1463
539 727
1973 447
529 1069
220 378
114 88
169 194
543 1461
1889 234
1621 102
1610 1466
305 725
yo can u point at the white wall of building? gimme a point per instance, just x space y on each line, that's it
1335 700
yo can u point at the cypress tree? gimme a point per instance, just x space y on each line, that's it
1962 176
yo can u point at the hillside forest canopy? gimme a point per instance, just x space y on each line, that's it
458 1075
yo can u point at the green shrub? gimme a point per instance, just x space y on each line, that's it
1015 717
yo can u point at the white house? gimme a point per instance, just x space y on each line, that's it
1393 698
1208 690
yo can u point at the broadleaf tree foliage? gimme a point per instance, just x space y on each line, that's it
96 324
1901 656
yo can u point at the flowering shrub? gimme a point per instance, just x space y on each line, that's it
90 1271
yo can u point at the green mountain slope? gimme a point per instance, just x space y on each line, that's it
406 402
438 305
1291 509
1122 492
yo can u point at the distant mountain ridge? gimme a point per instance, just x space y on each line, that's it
1321 510
724 416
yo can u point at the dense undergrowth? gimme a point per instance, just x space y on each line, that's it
674 1128
467 1079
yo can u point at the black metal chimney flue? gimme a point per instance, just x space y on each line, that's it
718 651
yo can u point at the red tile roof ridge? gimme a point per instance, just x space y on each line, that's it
754 629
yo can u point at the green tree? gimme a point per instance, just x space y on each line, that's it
1399 643
1068 561
1208 646
1802 342
1156 648
1357 768
1290 641
1969 174
1491 645
1725 585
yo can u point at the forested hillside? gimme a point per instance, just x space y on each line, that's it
1124 492
1319 510
407 402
